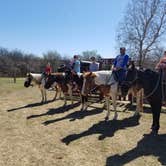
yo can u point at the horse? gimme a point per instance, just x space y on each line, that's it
38 79
150 81
63 81
107 86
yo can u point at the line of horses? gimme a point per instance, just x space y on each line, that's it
104 82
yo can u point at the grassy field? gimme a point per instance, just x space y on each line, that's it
7 85
35 134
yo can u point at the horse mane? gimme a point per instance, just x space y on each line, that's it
149 74
88 74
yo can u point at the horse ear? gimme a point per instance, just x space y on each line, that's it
93 75
28 74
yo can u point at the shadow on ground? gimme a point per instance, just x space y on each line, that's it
58 110
148 145
75 115
146 109
104 128
30 105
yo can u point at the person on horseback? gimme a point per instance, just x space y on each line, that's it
120 65
48 69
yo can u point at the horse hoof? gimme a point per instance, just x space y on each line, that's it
64 105
106 118
115 117
136 114
154 132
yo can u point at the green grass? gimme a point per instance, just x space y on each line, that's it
7 85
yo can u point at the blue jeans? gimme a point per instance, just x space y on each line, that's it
119 75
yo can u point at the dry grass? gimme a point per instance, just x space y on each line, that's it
32 134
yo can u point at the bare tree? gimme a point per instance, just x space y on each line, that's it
86 55
54 58
143 27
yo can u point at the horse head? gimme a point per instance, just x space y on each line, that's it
131 79
28 80
88 83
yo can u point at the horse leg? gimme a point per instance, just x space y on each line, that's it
45 95
56 92
114 97
65 101
139 103
107 100
60 93
114 93
86 103
42 95
156 110
70 93
84 100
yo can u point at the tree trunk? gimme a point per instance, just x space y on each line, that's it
14 77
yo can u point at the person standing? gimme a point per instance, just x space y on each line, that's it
161 67
76 64
162 63
94 66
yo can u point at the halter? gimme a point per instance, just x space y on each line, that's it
131 82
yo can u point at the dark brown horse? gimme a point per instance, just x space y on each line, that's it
150 81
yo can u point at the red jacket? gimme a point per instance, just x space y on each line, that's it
48 70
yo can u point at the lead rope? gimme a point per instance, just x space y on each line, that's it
151 93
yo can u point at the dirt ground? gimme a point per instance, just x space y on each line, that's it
34 134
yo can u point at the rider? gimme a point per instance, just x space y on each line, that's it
48 69
120 65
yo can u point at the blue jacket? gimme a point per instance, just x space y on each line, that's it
121 61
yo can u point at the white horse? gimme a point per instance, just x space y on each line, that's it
39 80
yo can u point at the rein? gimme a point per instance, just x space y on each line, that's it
151 93
155 88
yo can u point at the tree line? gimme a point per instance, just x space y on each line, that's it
15 63
142 31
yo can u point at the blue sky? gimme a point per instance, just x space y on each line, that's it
68 26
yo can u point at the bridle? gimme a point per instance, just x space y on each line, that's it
130 83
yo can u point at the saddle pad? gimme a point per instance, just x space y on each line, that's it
104 77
